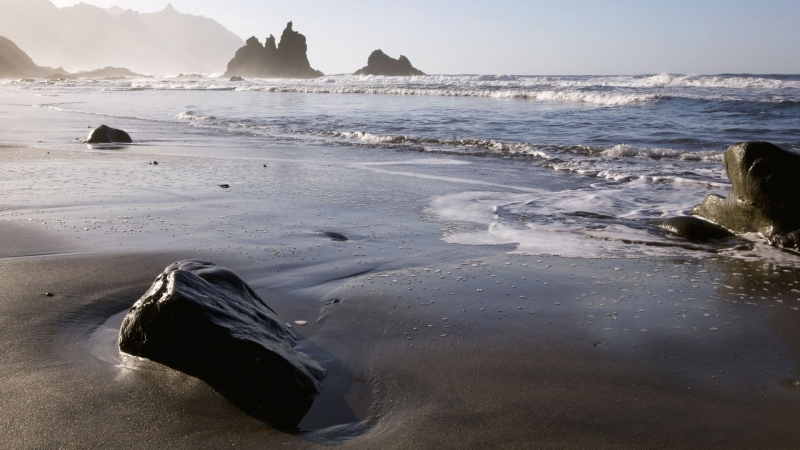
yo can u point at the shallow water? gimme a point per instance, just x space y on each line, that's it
569 166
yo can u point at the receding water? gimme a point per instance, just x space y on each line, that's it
570 166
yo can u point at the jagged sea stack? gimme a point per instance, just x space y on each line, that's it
287 59
380 63
765 194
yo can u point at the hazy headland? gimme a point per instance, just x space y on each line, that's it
85 37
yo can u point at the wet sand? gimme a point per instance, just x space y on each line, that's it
430 345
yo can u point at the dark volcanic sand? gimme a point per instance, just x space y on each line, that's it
568 366
430 345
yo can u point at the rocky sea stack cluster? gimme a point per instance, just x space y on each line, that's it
287 59
380 63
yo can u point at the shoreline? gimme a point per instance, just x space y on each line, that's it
438 344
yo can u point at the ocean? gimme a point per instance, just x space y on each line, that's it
571 166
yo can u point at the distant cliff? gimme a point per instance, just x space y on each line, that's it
288 59
14 63
380 63
85 37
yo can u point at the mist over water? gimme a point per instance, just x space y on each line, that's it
580 161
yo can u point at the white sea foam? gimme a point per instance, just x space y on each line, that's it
496 78
475 143
595 98
191 115
625 150
602 221
590 90
729 82
577 155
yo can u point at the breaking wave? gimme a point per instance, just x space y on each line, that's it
608 91
538 150
191 115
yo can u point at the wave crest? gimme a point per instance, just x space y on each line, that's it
591 90
191 115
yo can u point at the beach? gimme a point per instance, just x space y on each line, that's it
430 225
427 342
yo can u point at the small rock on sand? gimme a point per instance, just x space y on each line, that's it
335 236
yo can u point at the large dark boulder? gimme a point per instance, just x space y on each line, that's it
288 59
204 320
693 228
106 135
380 63
765 194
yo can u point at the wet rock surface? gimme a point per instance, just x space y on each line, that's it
380 63
693 228
204 320
106 135
789 240
288 59
765 196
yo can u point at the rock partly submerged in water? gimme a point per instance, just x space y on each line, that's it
106 135
204 320
380 63
765 196
693 228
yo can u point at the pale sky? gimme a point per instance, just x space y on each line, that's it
523 37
